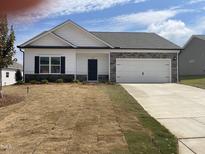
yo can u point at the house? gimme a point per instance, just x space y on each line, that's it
192 57
9 74
70 52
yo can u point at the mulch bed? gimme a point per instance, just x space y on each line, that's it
10 99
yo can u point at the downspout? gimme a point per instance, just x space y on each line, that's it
75 77
181 50
178 66
23 63
109 66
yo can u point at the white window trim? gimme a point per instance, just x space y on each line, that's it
49 65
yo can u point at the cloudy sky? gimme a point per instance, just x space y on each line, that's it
175 20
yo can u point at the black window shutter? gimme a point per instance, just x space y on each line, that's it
63 65
36 64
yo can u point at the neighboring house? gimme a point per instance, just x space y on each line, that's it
70 52
192 57
9 74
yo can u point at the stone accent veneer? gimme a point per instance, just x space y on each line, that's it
114 55
103 78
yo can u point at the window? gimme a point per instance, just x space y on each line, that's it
50 65
55 64
44 65
7 74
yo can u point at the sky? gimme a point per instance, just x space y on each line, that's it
175 20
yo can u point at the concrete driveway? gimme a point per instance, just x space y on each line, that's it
179 108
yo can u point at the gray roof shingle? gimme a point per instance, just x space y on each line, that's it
135 40
16 66
202 37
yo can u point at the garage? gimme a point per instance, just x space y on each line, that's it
133 70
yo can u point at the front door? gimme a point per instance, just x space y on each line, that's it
92 69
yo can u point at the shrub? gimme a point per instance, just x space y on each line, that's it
84 82
103 81
110 83
59 81
76 81
20 82
44 81
33 82
18 75
50 78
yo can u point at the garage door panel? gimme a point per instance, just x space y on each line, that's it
155 79
131 67
143 70
128 74
128 69
129 79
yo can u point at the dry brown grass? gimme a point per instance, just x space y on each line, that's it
10 99
65 118
79 119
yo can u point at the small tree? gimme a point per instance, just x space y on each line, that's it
18 75
7 39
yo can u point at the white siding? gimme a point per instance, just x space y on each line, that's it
82 57
8 80
82 63
77 36
49 40
31 53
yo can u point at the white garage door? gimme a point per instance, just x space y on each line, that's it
143 70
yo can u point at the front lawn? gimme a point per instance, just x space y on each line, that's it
196 81
142 132
76 118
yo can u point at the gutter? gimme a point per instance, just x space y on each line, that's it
23 63
82 47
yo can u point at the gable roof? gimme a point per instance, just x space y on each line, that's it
33 39
136 40
64 40
123 40
201 37
26 44
44 34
